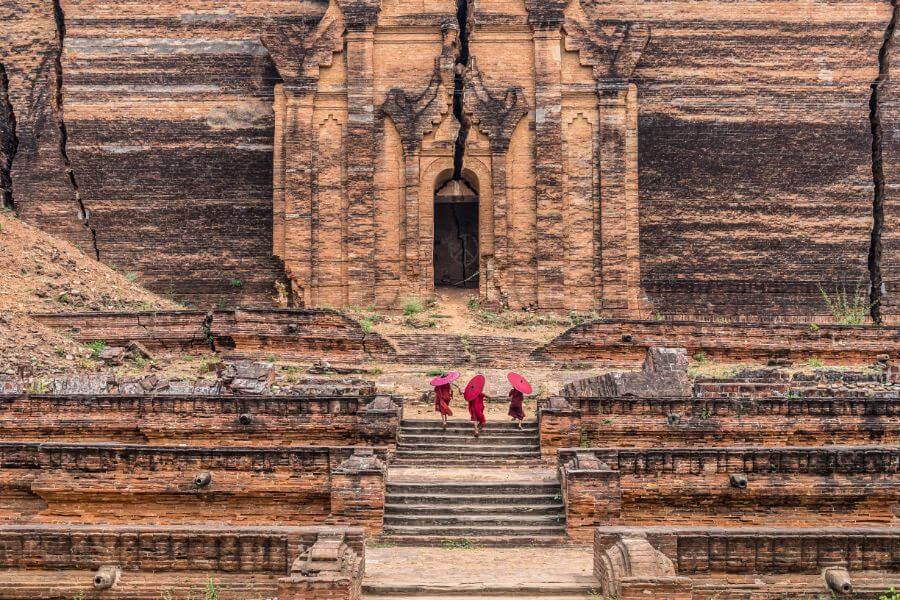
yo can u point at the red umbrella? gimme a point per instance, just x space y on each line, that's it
445 378
475 387
520 383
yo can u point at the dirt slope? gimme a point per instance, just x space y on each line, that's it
40 273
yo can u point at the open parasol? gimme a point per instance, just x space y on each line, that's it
519 383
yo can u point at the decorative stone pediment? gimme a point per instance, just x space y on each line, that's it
301 46
612 49
417 114
496 116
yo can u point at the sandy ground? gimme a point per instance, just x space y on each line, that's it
478 569
40 273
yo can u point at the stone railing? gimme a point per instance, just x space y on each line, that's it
687 563
292 333
202 420
618 340
110 483
682 422
729 486
153 562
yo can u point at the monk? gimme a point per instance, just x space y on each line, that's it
520 387
443 394
474 395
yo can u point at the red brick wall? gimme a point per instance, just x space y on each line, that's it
243 561
703 422
787 486
197 420
59 483
612 339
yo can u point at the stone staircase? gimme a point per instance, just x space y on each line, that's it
425 443
450 488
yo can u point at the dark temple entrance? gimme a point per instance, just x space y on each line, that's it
456 236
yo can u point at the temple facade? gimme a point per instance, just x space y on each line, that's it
416 147
688 158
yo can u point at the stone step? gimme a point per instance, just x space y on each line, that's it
468 454
447 500
475 520
490 541
464 463
487 488
475 446
474 530
490 426
441 509
468 438
557 591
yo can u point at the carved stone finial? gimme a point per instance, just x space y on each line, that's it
329 553
588 461
631 556
382 404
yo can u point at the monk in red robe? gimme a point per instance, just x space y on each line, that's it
443 394
475 397
520 387
516 410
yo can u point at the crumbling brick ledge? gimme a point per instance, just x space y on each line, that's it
620 339
292 333
147 562
763 563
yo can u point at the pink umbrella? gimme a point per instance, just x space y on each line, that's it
445 378
520 383
475 387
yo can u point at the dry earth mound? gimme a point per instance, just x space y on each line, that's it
40 273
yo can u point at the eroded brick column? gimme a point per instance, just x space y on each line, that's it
357 492
619 252
297 158
360 17
546 22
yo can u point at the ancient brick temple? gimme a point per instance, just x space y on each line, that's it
627 157
396 119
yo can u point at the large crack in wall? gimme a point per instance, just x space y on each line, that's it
877 291
464 15
84 214
9 141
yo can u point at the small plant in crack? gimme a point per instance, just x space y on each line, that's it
847 309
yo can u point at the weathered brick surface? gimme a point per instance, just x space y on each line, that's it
789 486
766 563
110 483
704 422
51 562
650 153
200 420
611 339
293 333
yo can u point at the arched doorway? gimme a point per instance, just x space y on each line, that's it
456 241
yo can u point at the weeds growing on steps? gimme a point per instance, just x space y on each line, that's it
847 309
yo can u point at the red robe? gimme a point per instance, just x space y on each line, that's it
442 396
476 409
515 405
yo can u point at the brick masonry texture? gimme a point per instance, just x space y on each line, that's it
798 486
765 563
199 420
297 334
48 561
628 339
111 483
691 155
704 422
